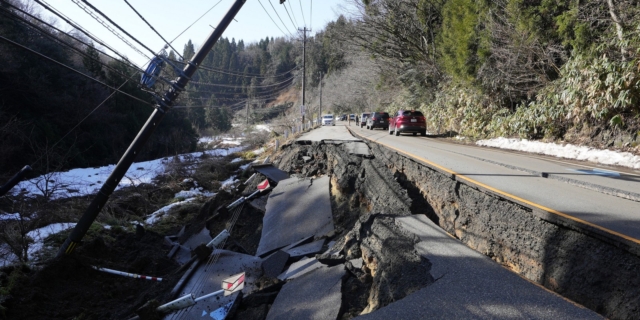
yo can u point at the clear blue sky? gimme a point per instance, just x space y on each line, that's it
170 18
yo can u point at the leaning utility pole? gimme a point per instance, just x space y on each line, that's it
163 105
304 66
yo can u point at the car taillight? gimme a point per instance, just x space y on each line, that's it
374 119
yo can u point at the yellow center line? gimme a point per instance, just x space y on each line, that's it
505 194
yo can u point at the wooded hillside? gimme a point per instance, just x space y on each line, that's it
555 69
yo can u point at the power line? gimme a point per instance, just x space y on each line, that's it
246 75
239 87
283 24
303 19
154 30
295 26
191 25
274 22
79 28
72 69
44 32
62 32
104 24
113 23
311 14
294 16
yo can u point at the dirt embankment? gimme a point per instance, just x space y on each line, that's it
585 266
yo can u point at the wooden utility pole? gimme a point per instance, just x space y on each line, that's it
304 67
163 106
320 113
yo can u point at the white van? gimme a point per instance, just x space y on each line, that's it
328 120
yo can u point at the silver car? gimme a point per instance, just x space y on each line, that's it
328 120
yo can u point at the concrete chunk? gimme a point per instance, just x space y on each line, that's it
208 278
357 148
316 295
296 209
300 268
271 172
273 265
306 249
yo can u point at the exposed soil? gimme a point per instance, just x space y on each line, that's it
69 288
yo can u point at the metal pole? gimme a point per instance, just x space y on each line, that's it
163 106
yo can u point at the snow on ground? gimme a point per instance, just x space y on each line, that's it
229 183
38 235
86 181
236 160
10 216
236 142
224 140
156 216
568 151
263 127
193 192
258 151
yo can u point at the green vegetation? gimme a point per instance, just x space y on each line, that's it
534 69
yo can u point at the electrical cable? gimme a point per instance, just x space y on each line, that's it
238 87
303 19
274 22
62 32
213 258
246 75
191 25
311 15
294 16
154 30
79 28
15 17
295 27
72 69
277 14
81 121
104 24
275 93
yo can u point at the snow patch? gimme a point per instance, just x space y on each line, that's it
229 183
193 192
258 151
11 217
87 181
38 236
567 151
263 127
157 215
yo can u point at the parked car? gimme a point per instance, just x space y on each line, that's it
408 121
343 117
378 120
352 117
328 120
363 119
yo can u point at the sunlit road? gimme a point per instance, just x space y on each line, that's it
588 194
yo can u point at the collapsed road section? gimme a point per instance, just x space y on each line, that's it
347 229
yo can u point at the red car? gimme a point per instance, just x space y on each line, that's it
408 121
